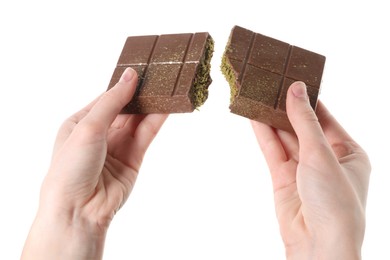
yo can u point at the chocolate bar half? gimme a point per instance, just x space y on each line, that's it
260 69
173 71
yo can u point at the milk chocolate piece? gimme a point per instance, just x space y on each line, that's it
173 71
260 69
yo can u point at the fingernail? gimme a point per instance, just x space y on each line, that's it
299 90
127 75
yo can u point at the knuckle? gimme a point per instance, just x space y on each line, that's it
90 131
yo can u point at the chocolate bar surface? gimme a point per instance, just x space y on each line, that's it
173 71
260 70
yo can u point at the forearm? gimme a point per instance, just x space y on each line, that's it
54 238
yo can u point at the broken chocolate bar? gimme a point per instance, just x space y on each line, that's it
173 71
260 69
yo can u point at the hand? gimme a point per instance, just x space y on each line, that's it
96 159
320 180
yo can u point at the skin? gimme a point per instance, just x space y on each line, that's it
320 179
96 159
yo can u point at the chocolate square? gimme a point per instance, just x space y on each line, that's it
173 71
260 70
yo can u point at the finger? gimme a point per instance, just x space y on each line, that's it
343 146
331 127
123 120
302 117
270 144
122 142
107 108
78 116
275 146
147 130
67 127
290 144
341 142
127 125
136 145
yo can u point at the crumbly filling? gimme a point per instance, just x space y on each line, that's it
230 76
203 79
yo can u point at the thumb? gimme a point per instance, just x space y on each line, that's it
107 108
302 116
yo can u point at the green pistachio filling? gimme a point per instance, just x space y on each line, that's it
203 79
230 76
229 73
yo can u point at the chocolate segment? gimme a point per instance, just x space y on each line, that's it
173 71
260 70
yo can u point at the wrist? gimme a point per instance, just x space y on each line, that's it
62 237
330 247
323 253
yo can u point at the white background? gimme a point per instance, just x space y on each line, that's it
204 190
